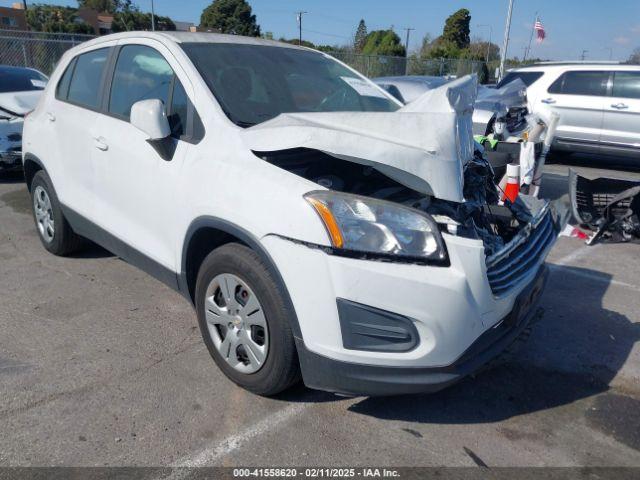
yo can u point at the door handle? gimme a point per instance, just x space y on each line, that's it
100 144
619 106
51 117
548 101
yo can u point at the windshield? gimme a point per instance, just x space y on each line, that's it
527 78
15 79
254 83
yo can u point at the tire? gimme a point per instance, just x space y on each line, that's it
60 239
237 263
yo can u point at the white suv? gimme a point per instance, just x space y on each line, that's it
319 228
598 104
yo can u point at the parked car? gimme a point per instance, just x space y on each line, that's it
598 104
20 89
508 102
317 225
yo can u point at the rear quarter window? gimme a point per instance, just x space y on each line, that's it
626 85
528 78
62 89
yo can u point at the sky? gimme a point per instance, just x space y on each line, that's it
601 28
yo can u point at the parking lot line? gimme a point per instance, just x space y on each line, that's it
581 252
209 455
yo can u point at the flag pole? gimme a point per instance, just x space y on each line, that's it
533 27
505 43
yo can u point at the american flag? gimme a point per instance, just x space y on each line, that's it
539 28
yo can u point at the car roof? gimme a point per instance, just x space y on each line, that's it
12 68
191 37
539 67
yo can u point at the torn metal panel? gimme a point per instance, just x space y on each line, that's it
609 206
423 146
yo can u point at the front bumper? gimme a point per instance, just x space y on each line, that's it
345 378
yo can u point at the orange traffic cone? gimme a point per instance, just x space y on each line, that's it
513 182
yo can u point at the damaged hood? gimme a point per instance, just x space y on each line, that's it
19 103
423 145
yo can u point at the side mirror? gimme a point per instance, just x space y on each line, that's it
150 117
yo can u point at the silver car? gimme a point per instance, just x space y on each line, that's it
508 101
20 89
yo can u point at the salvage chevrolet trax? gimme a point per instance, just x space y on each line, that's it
322 230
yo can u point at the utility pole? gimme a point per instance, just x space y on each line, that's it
153 17
505 43
299 15
490 35
533 27
610 52
584 55
406 50
406 44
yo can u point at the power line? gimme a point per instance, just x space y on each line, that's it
327 34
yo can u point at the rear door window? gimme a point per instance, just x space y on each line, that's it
626 85
84 88
581 83
141 73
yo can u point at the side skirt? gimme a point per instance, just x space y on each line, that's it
86 228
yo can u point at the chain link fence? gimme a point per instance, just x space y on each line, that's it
384 66
43 50
36 49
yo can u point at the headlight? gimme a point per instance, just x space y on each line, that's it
363 224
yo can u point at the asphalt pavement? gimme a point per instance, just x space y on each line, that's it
100 364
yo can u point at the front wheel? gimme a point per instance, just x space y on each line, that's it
244 320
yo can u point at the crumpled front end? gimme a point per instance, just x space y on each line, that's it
10 142
381 324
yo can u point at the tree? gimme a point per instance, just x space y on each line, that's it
55 19
384 42
361 37
456 29
231 16
634 58
110 6
295 41
478 50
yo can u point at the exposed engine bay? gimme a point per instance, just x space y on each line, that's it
480 216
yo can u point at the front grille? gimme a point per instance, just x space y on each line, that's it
591 203
510 265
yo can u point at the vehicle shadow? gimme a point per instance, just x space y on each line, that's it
574 352
11 177
91 250
594 160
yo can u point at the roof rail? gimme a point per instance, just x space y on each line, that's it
578 62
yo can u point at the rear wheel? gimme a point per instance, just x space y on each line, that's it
244 320
53 229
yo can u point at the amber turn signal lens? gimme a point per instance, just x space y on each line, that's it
329 222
